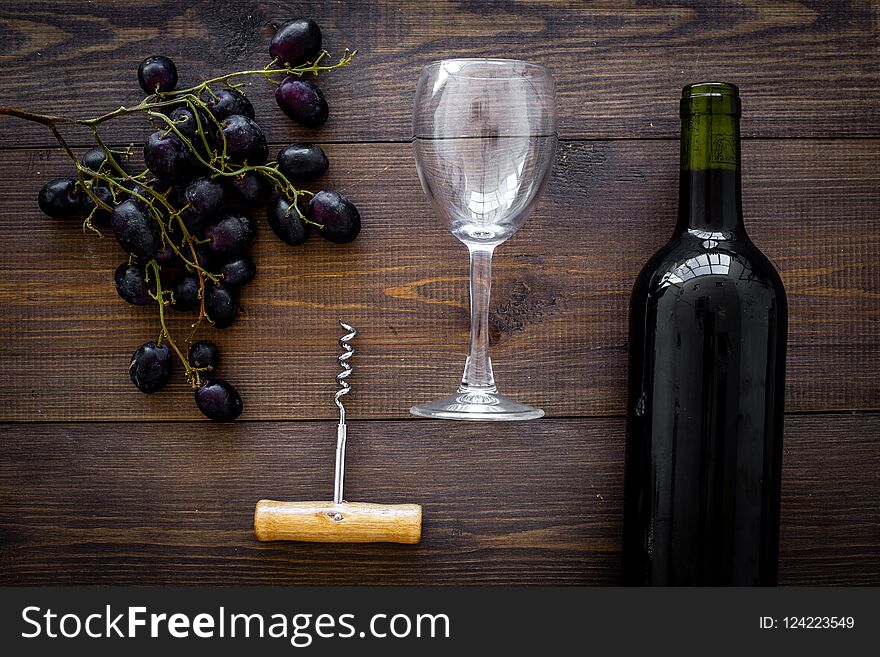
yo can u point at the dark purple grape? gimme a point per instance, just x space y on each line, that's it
157 73
245 141
168 157
185 292
204 257
220 305
101 216
95 157
205 196
296 42
252 187
166 256
176 196
132 285
150 367
302 161
285 222
229 102
136 230
240 271
186 122
339 218
204 354
231 234
139 192
195 223
61 198
219 400
197 169
303 101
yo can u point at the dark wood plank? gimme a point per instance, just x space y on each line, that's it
559 304
805 68
172 503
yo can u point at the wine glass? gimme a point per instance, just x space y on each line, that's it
484 134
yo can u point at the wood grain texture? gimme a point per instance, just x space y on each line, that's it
171 503
805 68
343 522
559 303
100 484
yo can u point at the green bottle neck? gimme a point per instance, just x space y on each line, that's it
710 188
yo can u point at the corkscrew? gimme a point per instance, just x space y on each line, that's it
339 521
344 389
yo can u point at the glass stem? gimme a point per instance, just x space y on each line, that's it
478 368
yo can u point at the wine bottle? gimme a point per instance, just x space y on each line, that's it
708 324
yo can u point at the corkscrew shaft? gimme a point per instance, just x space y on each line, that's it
339 476
342 429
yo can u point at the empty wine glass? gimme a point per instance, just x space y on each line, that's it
484 134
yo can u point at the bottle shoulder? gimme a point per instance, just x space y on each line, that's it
691 259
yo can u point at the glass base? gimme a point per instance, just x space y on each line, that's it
470 404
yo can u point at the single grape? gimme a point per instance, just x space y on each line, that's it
219 400
245 141
101 216
132 285
251 187
186 122
166 256
157 73
285 222
204 354
168 157
302 161
226 102
205 196
185 292
220 305
60 198
302 100
139 192
296 42
176 196
204 257
240 271
338 216
197 169
195 224
231 234
95 157
150 367
136 230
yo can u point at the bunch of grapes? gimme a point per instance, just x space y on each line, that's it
181 221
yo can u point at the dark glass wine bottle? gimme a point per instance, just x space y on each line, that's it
708 324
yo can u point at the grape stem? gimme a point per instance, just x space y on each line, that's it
313 68
173 96
165 334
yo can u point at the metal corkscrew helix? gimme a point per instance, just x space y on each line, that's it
344 389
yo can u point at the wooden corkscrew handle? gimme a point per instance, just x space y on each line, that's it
345 522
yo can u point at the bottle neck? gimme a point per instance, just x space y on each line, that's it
710 185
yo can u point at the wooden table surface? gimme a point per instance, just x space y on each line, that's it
100 484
